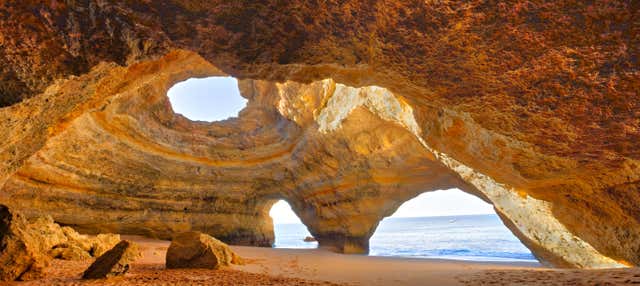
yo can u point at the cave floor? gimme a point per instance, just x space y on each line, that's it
266 266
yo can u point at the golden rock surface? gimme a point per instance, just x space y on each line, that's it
353 109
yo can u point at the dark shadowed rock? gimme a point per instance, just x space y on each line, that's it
114 262
197 250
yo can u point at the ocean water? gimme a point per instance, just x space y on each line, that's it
470 237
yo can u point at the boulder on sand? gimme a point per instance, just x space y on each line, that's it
198 250
22 251
113 262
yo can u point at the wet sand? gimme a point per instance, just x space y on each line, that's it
265 266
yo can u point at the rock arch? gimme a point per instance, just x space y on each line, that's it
513 114
343 157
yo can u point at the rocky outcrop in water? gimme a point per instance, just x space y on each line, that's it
353 109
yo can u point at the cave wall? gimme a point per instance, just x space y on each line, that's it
538 99
129 164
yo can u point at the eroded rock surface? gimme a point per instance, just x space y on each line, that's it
21 255
114 262
69 252
534 107
27 245
77 246
198 250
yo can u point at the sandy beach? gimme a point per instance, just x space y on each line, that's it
266 266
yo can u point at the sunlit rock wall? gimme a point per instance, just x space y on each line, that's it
535 99
128 164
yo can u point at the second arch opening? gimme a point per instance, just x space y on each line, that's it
445 224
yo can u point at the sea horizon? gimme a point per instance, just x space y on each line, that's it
469 237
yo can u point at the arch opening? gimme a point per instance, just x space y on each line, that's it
288 229
207 99
447 224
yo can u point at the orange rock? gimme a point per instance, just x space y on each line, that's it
532 107
197 250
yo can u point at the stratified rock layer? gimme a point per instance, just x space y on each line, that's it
534 107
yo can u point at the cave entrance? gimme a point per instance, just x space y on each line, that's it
207 99
448 224
289 230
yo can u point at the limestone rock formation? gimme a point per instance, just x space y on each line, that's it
66 243
101 243
198 250
114 262
70 245
27 245
21 254
69 252
354 107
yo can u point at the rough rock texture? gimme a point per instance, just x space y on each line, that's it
531 105
75 246
69 252
114 262
198 250
101 243
21 255
27 245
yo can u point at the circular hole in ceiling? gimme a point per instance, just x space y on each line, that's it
207 99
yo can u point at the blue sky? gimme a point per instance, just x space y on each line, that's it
218 98
207 99
437 203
